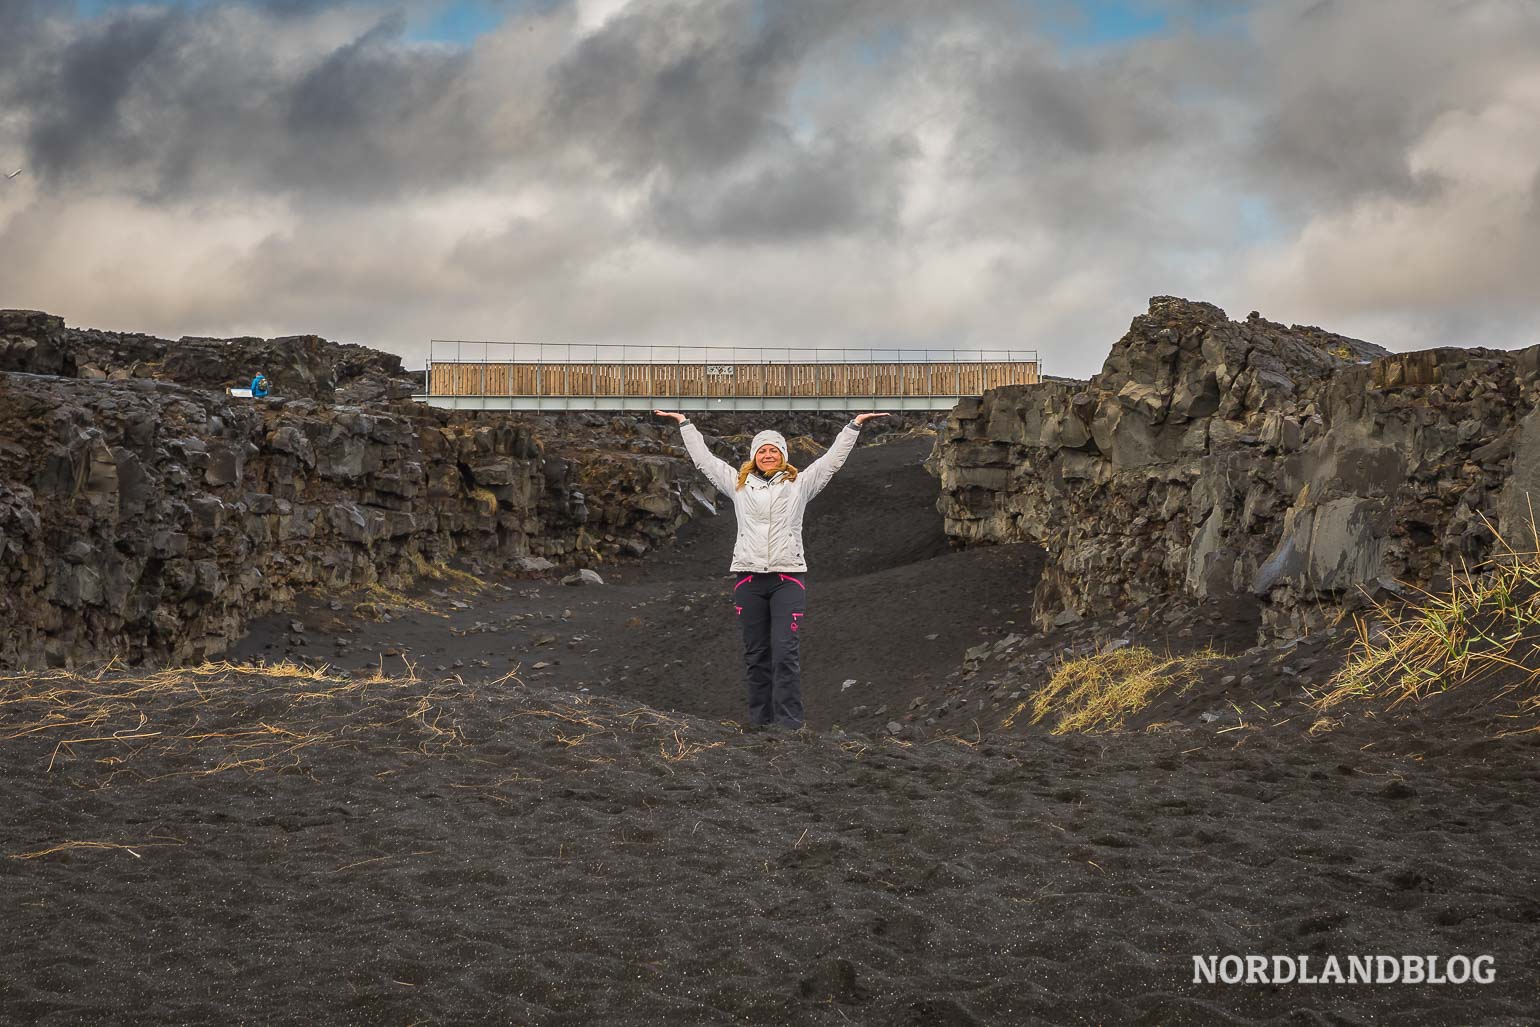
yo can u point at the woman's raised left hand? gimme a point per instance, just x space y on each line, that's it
863 418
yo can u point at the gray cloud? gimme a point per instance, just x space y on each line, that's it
78 106
866 172
1048 112
833 187
374 115
695 86
1085 148
168 103
295 8
23 22
1349 87
679 85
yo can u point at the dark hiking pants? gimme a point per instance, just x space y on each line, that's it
770 608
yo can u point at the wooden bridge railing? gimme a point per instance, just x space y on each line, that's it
537 376
732 380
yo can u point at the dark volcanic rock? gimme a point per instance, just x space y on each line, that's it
1215 458
299 367
148 515
149 520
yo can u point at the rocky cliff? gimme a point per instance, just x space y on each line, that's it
147 515
1212 458
299 366
149 520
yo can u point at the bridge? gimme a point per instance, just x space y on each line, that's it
532 376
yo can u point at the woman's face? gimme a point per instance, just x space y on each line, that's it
768 458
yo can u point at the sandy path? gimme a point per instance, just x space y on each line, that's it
890 607
463 851
532 858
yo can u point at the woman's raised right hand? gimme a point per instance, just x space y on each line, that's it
680 418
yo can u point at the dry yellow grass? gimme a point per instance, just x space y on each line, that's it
485 501
1099 692
1488 622
222 716
259 716
436 571
684 749
132 850
375 600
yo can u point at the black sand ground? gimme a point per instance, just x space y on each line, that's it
239 847
891 607
410 853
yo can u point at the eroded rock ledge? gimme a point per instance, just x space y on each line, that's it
148 516
1212 457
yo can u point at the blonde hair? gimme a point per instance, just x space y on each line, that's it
748 465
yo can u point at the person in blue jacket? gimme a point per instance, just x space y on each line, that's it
770 497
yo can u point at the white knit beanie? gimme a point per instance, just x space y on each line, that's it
775 438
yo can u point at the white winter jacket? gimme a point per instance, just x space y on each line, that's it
769 512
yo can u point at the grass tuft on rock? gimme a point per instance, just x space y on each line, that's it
437 570
1485 628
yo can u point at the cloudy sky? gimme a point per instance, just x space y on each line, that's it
862 173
